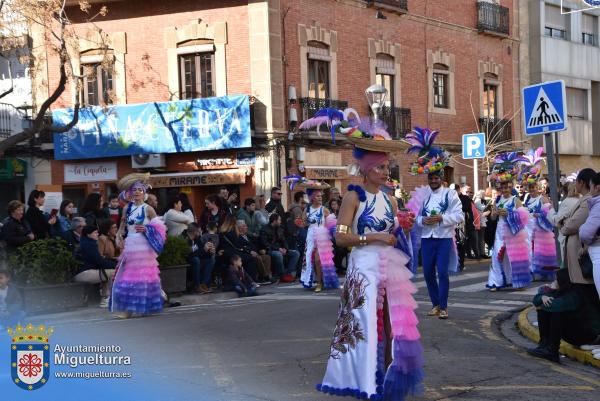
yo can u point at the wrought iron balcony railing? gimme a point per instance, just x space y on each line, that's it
497 131
310 106
399 6
492 18
397 120
9 116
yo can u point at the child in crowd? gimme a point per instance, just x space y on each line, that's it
211 235
239 279
113 210
11 303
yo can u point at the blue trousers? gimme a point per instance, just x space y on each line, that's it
201 270
436 252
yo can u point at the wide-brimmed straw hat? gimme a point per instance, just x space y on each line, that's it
126 182
378 145
299 182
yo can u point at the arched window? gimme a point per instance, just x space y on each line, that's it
490 96
385 73
196 61
318 70
97 69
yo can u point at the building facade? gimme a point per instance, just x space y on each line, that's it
454 69
562 44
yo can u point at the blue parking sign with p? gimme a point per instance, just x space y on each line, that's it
474 146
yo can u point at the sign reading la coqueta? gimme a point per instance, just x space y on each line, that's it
158 127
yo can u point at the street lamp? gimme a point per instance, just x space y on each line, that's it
376 95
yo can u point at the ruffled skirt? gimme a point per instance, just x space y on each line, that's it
136 288
356 365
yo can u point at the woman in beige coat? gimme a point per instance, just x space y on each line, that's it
570 227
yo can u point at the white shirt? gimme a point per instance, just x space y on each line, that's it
452 213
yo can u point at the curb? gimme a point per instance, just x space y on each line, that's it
531 332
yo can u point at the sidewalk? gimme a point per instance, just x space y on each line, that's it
528 326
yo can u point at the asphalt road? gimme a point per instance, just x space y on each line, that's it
275 347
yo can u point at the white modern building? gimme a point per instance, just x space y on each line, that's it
561 41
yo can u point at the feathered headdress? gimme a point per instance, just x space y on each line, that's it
430 158
331 117
297 181
506 166
570 178
366 133
531 167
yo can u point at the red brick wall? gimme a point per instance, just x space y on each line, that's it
145 22
355 25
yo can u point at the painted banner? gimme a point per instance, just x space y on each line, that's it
159 127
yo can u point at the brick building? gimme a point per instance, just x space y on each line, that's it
448 68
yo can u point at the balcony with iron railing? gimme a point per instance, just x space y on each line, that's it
11 120
398 6
493 18
398 121
309 106
497 131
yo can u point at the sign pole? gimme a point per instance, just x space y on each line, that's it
551 169
475 177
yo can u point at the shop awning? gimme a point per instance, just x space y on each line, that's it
326 172
11 168
199 178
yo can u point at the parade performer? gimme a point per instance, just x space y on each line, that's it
439 214
318 265
510 259
136 288
539 229
375 353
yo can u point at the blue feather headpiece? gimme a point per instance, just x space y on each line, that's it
431 158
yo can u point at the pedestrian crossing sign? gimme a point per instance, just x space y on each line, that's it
545 108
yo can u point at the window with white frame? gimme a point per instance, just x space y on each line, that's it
577 103
385 74
557 24
589 24
441 86
318 70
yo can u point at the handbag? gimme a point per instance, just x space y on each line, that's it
586 265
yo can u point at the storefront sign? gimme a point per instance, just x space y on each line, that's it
218 162
326 173
215 177
158 127
246 158
11 168
91 172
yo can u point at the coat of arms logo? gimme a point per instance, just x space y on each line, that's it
30 355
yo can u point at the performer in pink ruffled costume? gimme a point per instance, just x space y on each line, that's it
375 353
136 288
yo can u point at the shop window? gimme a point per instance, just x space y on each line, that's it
440 86
196 75
97 84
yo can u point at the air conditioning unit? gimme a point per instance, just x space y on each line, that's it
151 160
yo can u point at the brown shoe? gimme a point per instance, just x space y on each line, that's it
443 314
203 289
434 312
